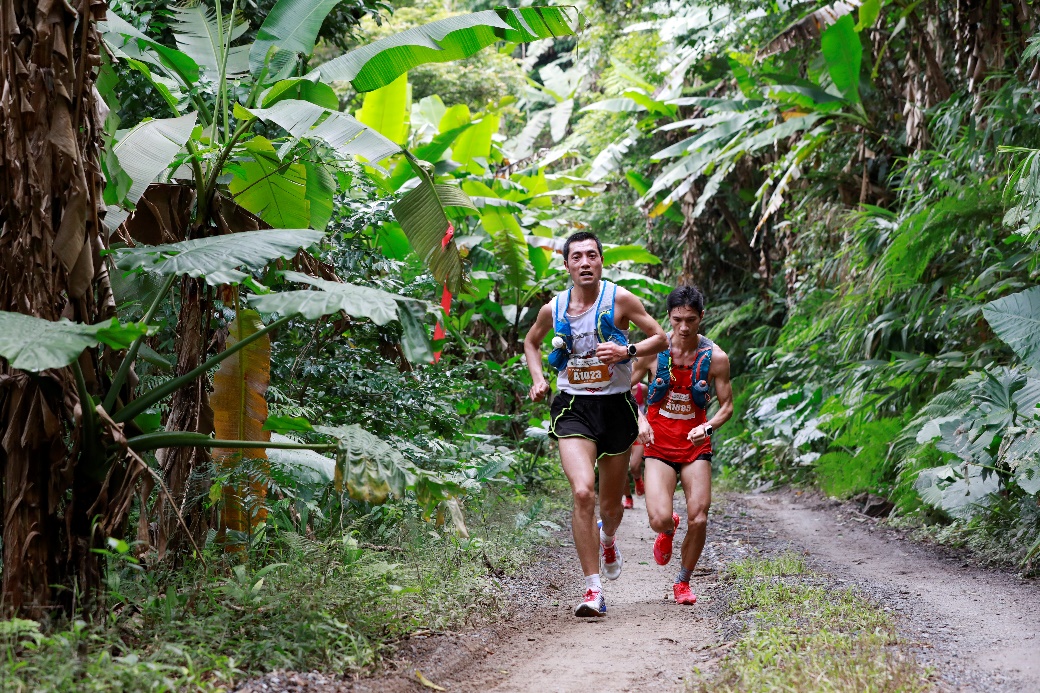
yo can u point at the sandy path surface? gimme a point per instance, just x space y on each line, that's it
969 618
646 642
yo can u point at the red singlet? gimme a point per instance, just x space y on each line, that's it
672 420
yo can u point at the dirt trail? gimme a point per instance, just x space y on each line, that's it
968 618
645 642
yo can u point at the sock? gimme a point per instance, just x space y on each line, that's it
684 575
605 539
592 583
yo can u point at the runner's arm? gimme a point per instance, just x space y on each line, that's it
533 352
630 309
719 372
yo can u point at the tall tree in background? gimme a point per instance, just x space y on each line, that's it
50 190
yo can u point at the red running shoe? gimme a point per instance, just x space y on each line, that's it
627 503
640 489
663 544
683 595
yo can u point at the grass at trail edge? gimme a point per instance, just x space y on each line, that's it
334 605
800 633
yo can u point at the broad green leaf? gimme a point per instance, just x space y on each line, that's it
631 253
331 297
510 247
321 189
1016 320
473 147
282 424
423 220
292 25
217 258
843 52
338 130
127 42
149 148
33 344
455 117
302 89
616 105
377 64
523 145
302 467
386 110
393 241
414 339
560 119
371 470
868 14
198 35
274 190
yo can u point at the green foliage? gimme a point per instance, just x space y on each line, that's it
35 345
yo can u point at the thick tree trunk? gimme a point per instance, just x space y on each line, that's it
50 184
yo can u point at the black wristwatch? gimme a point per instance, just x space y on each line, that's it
708 430
632 350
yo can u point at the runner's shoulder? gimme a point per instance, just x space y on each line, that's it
719 360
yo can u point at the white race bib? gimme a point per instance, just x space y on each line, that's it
679 405
587 373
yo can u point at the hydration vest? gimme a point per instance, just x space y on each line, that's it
662 383
606 329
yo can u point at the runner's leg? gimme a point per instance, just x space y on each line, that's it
660 481
613 482
579 457
696 481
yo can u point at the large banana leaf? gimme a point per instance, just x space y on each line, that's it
274 190
380 63
149 148
124 40
386 110
510 246
217 258
356 301
342 132
33 344
1016 320
371 470
199 36
843 53
421 214
291 25
239 412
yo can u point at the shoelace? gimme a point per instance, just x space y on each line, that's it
591 595
609 553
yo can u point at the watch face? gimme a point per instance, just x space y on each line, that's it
631 349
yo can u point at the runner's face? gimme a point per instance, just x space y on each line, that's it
686 322
584 263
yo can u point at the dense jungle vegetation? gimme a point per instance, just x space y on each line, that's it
267 266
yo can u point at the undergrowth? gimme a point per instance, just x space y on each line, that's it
802 634
334 604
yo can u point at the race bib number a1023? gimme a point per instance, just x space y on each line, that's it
587 373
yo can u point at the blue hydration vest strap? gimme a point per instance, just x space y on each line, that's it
699 388
606 329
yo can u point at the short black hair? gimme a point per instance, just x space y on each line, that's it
688 296
580 236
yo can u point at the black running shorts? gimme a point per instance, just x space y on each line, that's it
610 421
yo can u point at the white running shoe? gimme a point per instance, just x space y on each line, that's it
610 560
594 605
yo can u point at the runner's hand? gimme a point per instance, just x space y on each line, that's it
697 436
609 352
539 390
646 432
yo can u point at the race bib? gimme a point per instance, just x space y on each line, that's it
679 405
588 373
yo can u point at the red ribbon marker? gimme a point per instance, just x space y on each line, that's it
438 332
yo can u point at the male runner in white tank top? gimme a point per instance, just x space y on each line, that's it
594 416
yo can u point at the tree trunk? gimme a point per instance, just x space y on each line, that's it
50 187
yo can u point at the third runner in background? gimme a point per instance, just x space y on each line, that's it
676 431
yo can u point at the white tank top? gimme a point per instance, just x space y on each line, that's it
585 374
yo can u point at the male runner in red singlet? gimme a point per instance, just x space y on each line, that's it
593 417
676 431
635 458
